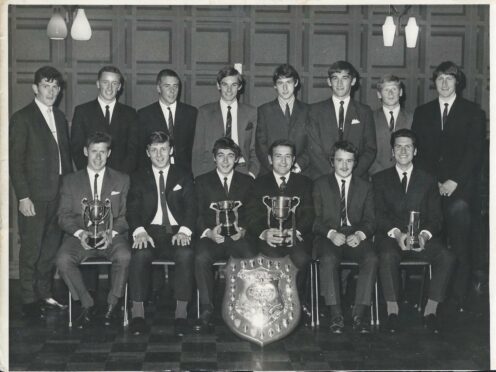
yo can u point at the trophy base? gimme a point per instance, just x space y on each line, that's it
93 242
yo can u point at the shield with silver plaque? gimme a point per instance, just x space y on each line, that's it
225 208
97 220
261 302
281 207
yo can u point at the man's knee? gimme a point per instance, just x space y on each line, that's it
329 258
63 261
370 258
185 255
388 255
122 257
458 208
202 258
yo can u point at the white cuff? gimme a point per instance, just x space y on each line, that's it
185 231
391 232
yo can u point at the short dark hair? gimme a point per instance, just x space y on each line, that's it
99 137
286 71
167 72
226 143
112 69
282 142
403 133
450 68
388 78
339 66
49 73
345 146
229 71
158 137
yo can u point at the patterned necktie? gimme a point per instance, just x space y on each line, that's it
445 116
163 204
341 120
228 122
391 122
107 114
283 185
404 182
95 187
343 203
287 113
226 187
170 123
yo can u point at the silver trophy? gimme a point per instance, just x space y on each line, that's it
225 207
414 230
281 207
98 220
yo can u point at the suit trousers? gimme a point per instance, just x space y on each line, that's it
330 257
390 256
71 254
140 267
206 253
40 240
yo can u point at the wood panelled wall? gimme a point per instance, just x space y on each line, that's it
197 41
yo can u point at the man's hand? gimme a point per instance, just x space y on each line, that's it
402 240
422 240
181 239
214 234
447 187
337 238
104 242
26 207
83 238
353 240
272 237
239 235
142 239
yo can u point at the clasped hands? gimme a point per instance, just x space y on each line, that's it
274 238
102 244
338 239
405 241
214 234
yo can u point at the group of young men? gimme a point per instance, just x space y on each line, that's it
163 166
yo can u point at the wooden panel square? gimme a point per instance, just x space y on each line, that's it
271 47
97 49
212 46
263 90
381 56
327 48
153 45
445 47
204 90
145 92
35 45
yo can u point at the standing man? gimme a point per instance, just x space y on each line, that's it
105 114
398 191
169 115
227 118
104 183
344 227
283 118
449 131
341 118
162 215
39 155
223 183
389 118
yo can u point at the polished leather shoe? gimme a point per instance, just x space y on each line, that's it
138 326
85 318
52 304
392 323
32 311
360 325
204 323
337 324
110 315
181 326
431 323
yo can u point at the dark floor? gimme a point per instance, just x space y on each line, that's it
463 343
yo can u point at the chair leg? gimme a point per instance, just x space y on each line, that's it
317 310
421 296
70 310
312 290
198 303
377 322
126 319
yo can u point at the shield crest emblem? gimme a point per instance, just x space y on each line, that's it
261 302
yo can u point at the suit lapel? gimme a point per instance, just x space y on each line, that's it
106 185
294 115
171 179
351 113
85 184
159 115
241 124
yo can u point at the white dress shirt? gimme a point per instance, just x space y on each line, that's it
234 121
111 106
336 101
396 112
282 104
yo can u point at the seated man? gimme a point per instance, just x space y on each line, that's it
282 181
398 191
102 182
223 183
344 226
161 213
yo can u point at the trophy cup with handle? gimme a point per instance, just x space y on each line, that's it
281 207
225 207
98 220
414 230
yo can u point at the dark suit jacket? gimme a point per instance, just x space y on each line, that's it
454 153
298 185
89 118
76 186
209 188
323 133
151 119
33 153
384 158
210 127
143 200
272 125
327 202
393 206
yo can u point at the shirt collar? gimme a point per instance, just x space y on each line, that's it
43 108
156 170
337 100
283 102
229 176
111 105
395 111
401 171
164 106
224 104
92 173
449 101
339 179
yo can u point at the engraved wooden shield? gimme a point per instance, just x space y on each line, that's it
261 302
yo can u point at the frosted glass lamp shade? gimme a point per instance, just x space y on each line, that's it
57 29
388 31
411 32
81 29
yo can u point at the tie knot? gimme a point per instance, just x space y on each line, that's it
168 108
446 105
161 172
283 179
49 110
107 107
404 174
391 113
225 179
96 175
341 103
229 108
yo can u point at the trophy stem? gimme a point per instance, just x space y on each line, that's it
228 228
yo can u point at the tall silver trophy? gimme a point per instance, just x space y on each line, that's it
98 220
227 208
414 230
281 207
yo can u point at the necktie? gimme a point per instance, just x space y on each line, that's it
404 181
391 122
226 187
53 129
343 203
283 185
95 187
445 115
341 120
228 122
287 113
107 114
163 203
170 123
